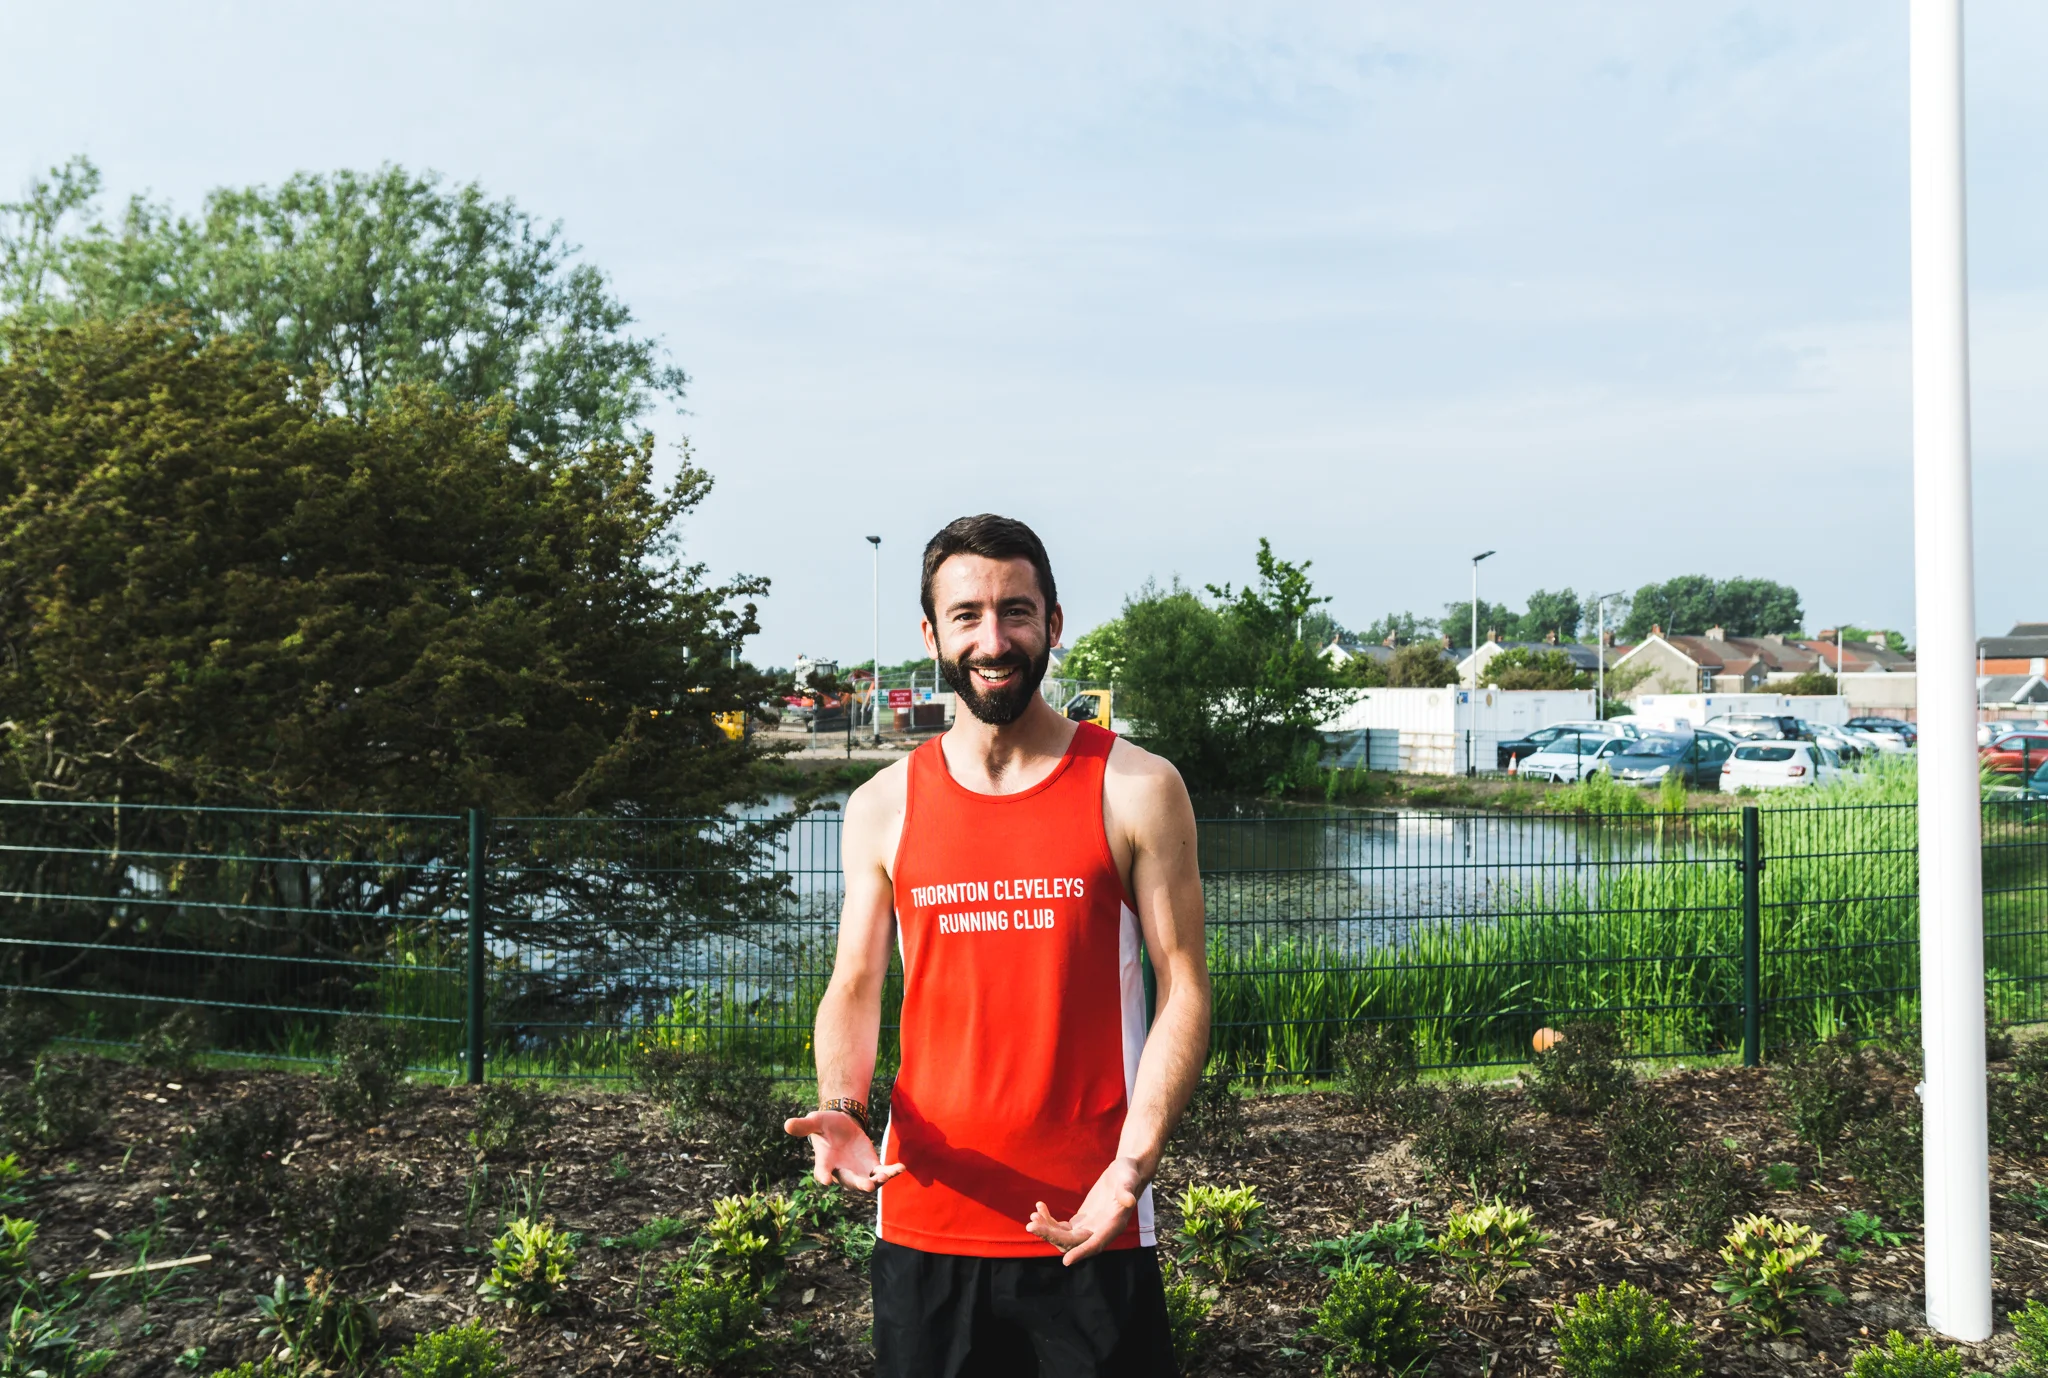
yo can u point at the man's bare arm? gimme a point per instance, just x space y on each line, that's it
850 1016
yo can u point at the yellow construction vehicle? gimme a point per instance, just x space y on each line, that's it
735 725
1090 705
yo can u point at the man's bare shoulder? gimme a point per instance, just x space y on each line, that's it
1143 786
880 799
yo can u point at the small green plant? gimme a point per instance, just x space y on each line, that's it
2035 1199
531 1264
1624 1332
1824 1089
460 1351
236 1154
317 1325
1489 1243
1898 1357
1467 1136
621 1170
1376 1320
2030 1332
1706 1184
265 1367
2019 1100
337 1219
60 1106
1222 1229
26 1028
12 1175
175 1044
510 1117
855 1241
1884 1156
1641 1134
750 1237
1376 1068
36 1344
1781 1176
705 1325
1582 1073
1400 1239
650 1236
1768 1271
1187 1310
732 1107
369 1070
1861 1227
16 1239
1214 1119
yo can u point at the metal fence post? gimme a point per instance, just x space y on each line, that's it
476 947
1752 936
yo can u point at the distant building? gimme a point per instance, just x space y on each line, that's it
1586 658
2021 651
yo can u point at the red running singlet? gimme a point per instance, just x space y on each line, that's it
1023 1008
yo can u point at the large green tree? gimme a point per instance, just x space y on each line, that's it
372 282
1692 603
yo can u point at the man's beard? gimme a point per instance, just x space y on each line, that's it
1002 704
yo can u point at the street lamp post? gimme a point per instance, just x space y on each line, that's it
1472 702
875 683
1600 649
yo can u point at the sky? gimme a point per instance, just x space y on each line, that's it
1617 290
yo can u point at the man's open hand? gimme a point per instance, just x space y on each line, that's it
1100 1220
841 1149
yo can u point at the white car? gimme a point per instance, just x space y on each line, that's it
1779 765
1572 758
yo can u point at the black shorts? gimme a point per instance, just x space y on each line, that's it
947 1316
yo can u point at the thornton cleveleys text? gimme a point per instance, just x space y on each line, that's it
992 892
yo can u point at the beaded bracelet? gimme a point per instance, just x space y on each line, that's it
846 1105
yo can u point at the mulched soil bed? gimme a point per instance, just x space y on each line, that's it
613 1163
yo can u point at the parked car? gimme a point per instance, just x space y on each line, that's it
1903 732
2037 788
1752 726
1845 742
1571 758
1779 765
1989 732
1696 758
1518 748
2016 753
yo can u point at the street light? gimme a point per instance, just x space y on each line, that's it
1600 648
875 683
1475 618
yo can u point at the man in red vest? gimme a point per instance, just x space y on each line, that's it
1024 865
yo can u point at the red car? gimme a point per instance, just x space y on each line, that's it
2016 753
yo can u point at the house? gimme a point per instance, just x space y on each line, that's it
1717 663
1858 657
2022 651
1345 648
2011 691
1586 658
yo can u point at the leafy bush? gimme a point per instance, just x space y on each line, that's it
12 1174
655 1233
369 1070
1221 1229
1641 1134
37 1345
1376 1319
705 1325
26 1028
1467 1136
175 1044
2030 1331
1781 1176
1885 1157
531 1262
1582 1073
1376 1068
733 1107
1187 1308
2019 1100
1861 1227
236 1153
1624 1332
509 1116
318 1325
1489 1243
460 1351
1400 1239
1899 1358
16 1238
1214 1118
1768 1271
1825 1088
61 1105
346 1217
750 1238
265 1367
1706 1185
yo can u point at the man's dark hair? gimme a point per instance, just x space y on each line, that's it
992 538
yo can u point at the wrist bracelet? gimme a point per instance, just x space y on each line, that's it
846 1105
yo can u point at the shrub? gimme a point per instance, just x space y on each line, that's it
1826 1088
317 1325
176 1043
705 1325
1582 1073
1706 1185
460 1351
265 1367
1641 1134
1376 1319
16 1238
750 1238
509 1116
1899 1358
1885 1157
37 1345
1467 1136
1489 1243
2019 1100
2030 1331
1376 1068
26 1029
12 1174
1221 1229
236 1153
369 1070
1400 1239
1214 1118
1768 1271
734 1108
1624 1332
1187 1308
346 1217
1781 1176
531 1262
61 1105
652 1235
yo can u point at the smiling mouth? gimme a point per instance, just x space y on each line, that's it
995 674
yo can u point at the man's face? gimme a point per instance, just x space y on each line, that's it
993 637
